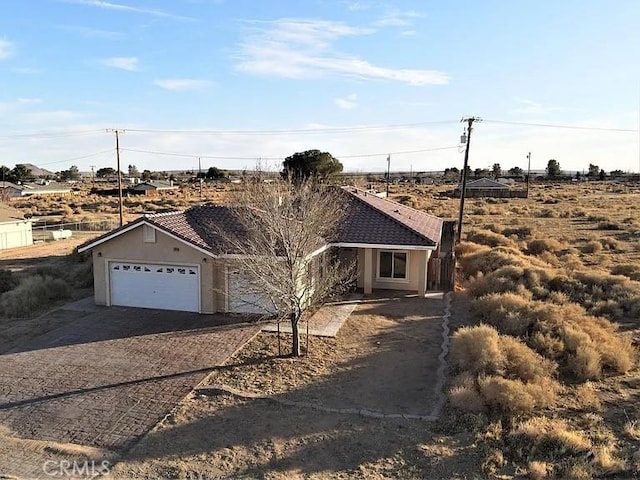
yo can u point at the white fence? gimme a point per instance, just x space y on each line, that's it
45 232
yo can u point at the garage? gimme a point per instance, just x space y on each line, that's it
165 287
245 297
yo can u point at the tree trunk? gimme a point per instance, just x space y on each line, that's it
295 347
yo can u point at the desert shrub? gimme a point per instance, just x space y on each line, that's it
512 278
32 294
520 232
516 396
489 238
547 344
467 398
608 226
592 247
476 350
552 436
587 396
468 248
586 363
630 270
488 260
537 470
548 213
504 311
522 362
7 281
541 245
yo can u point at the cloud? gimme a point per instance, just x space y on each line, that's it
91 32
6 49
347 103
128 8
28 100
300 49
529 107
398 18
48 118
124 63
182 84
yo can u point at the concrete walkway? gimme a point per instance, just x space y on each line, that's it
326 321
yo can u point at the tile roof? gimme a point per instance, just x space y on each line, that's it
375 220
368 220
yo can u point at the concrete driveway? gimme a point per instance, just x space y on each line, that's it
106 378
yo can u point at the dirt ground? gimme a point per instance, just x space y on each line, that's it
40 253
384 358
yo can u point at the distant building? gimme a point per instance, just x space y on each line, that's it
45 187
153 186
15 230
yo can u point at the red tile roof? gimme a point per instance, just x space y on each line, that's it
368 220
371 219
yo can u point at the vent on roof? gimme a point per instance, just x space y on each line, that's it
396 211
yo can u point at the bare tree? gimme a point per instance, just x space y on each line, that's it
282 245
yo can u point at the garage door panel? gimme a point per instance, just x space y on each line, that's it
165 287
246 297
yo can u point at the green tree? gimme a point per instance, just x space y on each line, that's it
310 164
452 172
602 175
105 172
516 172
146 175
594 171
553 168
215 173
21 173
5 173
70 174
496 170
133 171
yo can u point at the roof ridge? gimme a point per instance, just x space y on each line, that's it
394 219
398 203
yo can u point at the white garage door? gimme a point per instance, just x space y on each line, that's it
166 287
245 297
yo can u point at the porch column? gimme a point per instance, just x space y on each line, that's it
368 270
423 258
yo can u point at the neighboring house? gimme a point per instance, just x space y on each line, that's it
178 261
10 190
15 230
46 188
486 184
153 186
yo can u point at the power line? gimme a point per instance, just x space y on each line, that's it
318 130
571 127
49 134
78 158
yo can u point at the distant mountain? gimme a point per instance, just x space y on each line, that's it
37 171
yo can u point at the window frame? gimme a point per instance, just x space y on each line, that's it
405 279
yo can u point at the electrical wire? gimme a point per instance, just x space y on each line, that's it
46 134
111 150
572 127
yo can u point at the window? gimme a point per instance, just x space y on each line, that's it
392 265
149 234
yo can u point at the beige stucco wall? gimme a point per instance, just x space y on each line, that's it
414 259
130 246
15 234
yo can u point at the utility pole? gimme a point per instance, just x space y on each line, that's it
528 172
388 172
117 132
200 176
463 190
93 178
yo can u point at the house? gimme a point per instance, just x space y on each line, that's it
10 190
45 187
486 184
152 187
179 261
15 230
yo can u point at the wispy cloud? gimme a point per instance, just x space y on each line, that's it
6 49
29 100
53 117
128 8
347 103
530 107
299 49
398 18
182 84
124 63
91 32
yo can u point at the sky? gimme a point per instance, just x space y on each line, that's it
241 83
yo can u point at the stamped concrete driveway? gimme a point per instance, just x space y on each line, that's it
110 375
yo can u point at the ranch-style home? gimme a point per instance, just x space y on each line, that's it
178 261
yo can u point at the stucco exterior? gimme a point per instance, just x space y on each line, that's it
131 246
16 233
369 280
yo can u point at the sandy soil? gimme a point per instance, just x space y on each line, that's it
384 358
